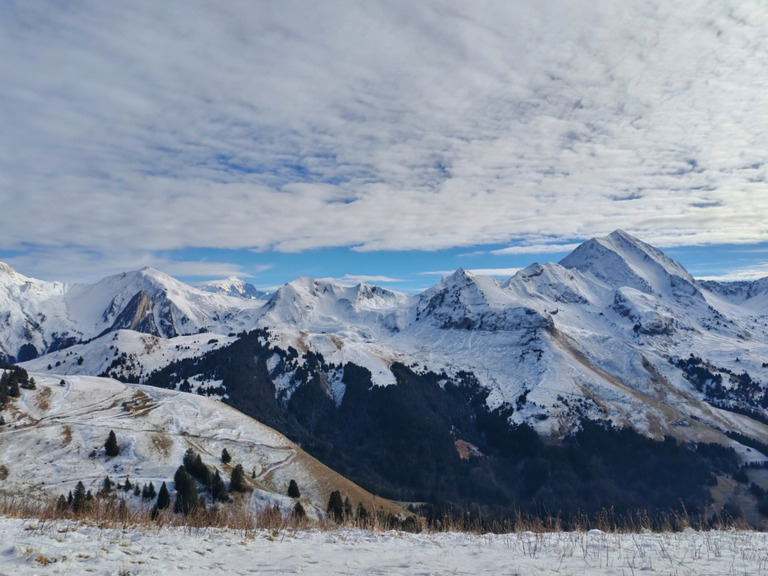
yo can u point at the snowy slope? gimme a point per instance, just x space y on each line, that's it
54 437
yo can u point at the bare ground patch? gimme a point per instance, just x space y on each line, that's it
162 443
43 398
67 436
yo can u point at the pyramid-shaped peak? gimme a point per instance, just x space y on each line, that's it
620 259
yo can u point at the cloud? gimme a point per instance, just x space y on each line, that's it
498 272
353 279
536 249
71 264
749 273
142 127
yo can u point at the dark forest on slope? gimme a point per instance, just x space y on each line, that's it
401 441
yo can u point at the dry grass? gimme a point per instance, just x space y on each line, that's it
110 512
67 432
43 397
162 443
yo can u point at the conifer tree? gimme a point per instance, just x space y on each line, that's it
218 488
110 446
106 486
79 498
336 506
293 489
225 457
186 491
237 480
163 501
298 511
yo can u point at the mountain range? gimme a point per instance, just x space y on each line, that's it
616 332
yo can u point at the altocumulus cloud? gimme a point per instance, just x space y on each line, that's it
139 127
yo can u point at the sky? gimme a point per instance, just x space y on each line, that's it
388 142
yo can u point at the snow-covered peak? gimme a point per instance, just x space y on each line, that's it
315 304
620 259
233 286
6 270
9 276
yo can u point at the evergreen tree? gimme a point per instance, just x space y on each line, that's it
127 485
237 480
298 511
186 491
163 501
293 489
79 498
347 508
336 506
218 488
194 466
110 446
225 457
361 512
136 490
148 491
106 486
61 503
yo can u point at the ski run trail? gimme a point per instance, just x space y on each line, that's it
35 547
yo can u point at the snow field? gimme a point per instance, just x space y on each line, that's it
34 547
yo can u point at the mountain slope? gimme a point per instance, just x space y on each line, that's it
55 435
41 317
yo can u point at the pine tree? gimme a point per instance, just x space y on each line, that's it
336 506
163 501
79 498
225 457
347 508
110 446
127 485
298 511
186 491
237 480
106 486
293 489
218 489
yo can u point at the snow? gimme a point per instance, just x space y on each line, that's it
601 325
55 434
35 547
